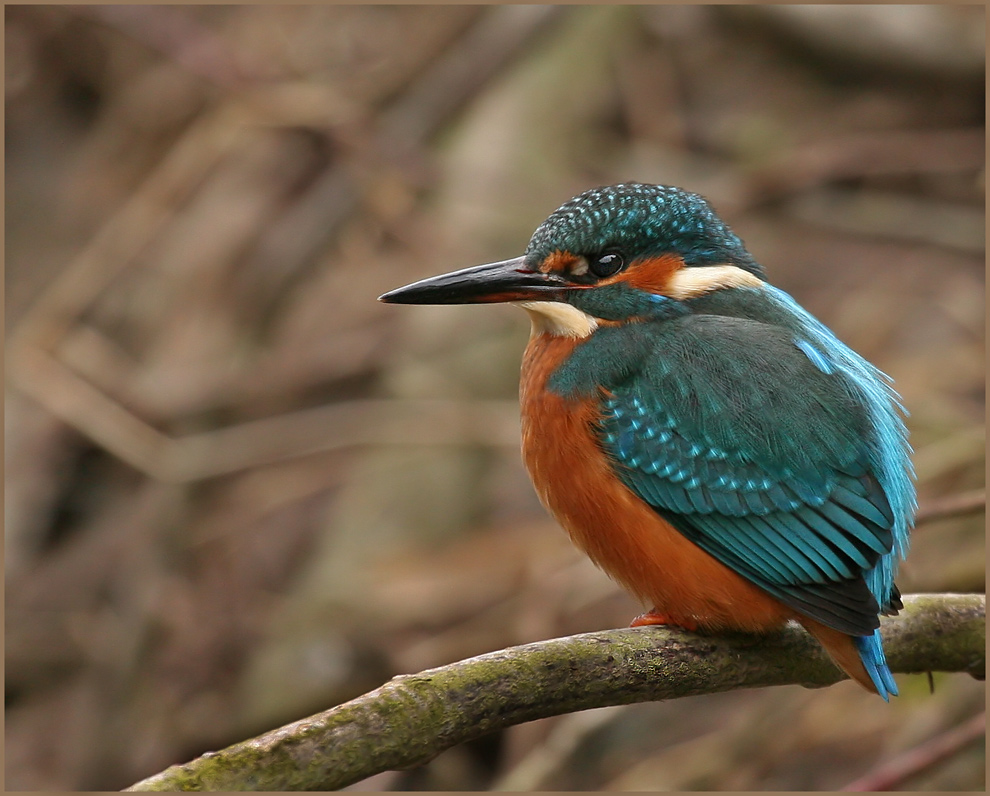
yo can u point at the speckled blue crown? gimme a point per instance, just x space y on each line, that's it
641 220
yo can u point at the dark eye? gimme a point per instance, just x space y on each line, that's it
603 265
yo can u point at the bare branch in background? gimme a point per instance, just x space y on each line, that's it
812 165
950 506
179 36
893 774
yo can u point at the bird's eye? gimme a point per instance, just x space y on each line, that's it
603 265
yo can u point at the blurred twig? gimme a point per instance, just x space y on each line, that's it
964 448
411 719
463 70
181 37
247 445
896 772
127 234
557 752
891 215
273 373
868 154
964 503
293 239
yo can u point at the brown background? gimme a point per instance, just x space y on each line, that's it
214 523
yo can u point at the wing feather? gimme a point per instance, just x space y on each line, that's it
760 458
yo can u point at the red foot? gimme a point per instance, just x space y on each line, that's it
653 618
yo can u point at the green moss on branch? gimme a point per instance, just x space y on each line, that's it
412 718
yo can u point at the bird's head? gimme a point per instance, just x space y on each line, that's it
610 254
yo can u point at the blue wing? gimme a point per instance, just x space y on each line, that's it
754 446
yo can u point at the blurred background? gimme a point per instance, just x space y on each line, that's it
240 491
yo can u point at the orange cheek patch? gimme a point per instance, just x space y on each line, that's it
558 262
653 275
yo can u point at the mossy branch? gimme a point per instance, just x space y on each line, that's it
413 718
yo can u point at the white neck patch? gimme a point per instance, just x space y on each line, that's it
557 319
692 282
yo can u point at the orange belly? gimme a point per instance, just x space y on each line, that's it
616 529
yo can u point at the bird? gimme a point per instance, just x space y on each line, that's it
704 439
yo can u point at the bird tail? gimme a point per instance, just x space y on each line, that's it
861 657
870 650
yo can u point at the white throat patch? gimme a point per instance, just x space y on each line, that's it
557 319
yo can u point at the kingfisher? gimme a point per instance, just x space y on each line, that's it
705 440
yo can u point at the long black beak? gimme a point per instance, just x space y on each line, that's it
509 280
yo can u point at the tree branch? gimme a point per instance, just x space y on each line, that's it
412 718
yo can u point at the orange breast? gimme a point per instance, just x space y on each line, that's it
620 532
